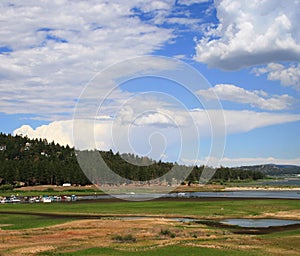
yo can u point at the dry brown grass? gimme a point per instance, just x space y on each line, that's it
83 234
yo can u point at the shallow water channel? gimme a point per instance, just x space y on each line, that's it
244 223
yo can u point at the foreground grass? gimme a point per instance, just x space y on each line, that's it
165 251
287 240
200 209
87 239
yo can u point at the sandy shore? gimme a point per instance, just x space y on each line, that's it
182 188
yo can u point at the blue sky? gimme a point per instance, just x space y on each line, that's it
248 51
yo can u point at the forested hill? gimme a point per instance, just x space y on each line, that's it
32 162
24 161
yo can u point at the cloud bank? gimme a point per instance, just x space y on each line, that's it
111 134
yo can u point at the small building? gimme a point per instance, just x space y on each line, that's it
27 146
44 154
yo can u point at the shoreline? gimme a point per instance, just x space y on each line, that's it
264 188
93 190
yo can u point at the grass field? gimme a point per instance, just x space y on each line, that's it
62 228
199 209
21 221
168 250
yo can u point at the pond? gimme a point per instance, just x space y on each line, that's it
259 223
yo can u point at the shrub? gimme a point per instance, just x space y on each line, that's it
6 187
125 239
167 232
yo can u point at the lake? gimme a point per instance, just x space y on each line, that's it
277 194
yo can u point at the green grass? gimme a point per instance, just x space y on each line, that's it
202 209
165 251
19 221
282 234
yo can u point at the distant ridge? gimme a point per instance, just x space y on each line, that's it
273 169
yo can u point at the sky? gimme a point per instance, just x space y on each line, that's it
187 81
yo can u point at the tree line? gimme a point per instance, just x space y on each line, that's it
25 161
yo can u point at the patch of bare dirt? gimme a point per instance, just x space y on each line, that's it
293 214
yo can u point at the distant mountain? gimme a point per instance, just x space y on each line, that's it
273 169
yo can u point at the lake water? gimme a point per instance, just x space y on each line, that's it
278 194
287 194
259 223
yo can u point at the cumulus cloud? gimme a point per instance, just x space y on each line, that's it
251 33
58 131
190 2
258 99
288 76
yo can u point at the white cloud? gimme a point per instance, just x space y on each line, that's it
251 33
242 121
191 23
288 76
60 45
259 99
58 131
153 119
190 2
